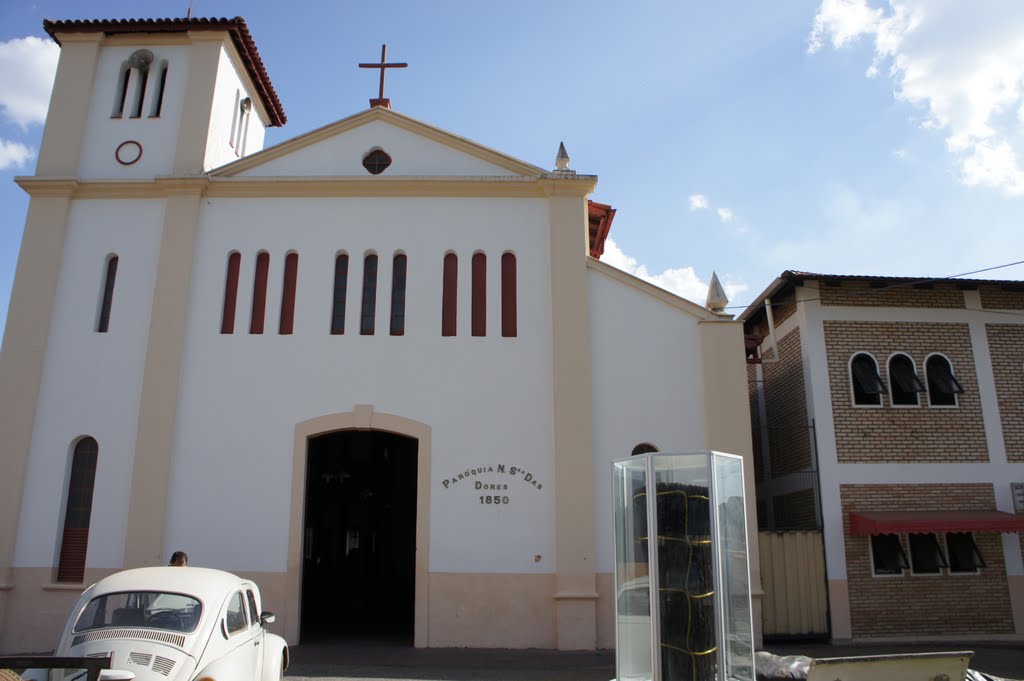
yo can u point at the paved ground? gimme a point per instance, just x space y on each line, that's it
384 661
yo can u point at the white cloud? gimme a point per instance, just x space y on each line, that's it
961 63
843 21
701 202
27 69
14 154
682 281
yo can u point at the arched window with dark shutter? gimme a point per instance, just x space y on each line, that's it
398 277
943 387
479 295
449 295
103 323
368 312
291 271
259 293
227 318
864 379
340 292
904 385
77 512
509 315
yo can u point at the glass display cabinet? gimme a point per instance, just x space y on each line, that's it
682 583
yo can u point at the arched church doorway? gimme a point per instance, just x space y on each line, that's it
359 537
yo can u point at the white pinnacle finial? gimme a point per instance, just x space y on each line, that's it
562 159
717 300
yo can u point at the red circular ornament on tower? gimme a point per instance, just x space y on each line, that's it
128 152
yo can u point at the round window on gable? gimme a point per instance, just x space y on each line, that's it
376 162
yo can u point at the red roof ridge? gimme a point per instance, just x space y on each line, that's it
236 27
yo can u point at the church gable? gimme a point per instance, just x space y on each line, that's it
378 142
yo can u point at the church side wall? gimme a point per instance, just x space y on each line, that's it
648 388
98 397
90 386
229 89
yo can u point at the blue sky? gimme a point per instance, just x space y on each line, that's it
744 137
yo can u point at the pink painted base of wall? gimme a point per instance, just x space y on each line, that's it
463 610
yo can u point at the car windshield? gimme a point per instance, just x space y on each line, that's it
151 609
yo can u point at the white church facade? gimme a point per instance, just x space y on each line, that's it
375 368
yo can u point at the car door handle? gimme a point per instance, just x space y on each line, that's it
256 643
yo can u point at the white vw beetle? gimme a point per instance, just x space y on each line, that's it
174 624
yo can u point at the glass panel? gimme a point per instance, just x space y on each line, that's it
734 583
632 579
685 581
696 601
236 613
152 609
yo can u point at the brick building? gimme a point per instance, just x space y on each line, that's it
888 412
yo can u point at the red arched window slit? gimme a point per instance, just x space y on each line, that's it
227 319
479 295
508 296
291 270
259 293
78 511
449 294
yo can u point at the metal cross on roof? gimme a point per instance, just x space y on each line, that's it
381 101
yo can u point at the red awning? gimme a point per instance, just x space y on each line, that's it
885 522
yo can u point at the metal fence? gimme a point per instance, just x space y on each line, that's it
795 602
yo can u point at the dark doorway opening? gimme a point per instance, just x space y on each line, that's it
359 541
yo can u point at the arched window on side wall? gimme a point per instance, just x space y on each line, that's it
943 387
124 75
340 291
449 295
867 384
77 512
291 271
259 293
398 277
509 321
643 448
479 298
140 93
227 318
161 85
103 323
904 385
368 313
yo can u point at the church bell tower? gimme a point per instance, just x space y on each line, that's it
142 98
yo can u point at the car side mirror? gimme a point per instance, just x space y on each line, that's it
267 617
